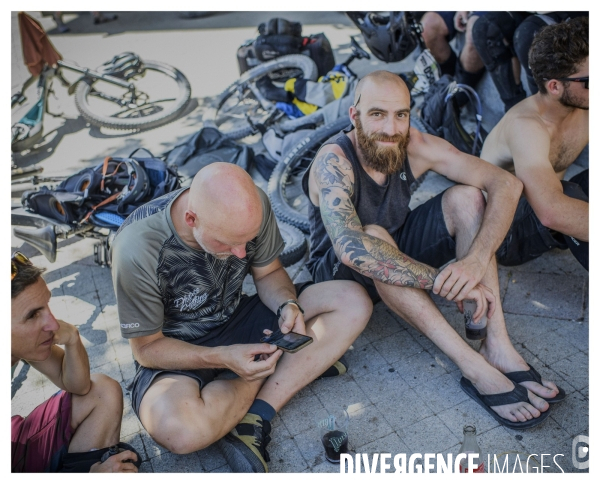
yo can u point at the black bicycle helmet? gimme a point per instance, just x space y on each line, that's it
388 35
138 185
124 66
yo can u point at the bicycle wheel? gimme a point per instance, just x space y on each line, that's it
285 185
162 92
240 102
295 244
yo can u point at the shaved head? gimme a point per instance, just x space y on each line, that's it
226 201
374 80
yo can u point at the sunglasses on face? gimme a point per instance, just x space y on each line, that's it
585 80
18 259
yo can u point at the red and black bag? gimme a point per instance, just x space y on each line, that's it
318 48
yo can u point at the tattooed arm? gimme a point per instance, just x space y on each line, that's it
364 253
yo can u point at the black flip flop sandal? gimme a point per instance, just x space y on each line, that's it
533 375
518 394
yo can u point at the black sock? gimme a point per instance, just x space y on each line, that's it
449 65
469 78
263 410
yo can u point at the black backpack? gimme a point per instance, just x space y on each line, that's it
208 146
117 186
279 37
441 115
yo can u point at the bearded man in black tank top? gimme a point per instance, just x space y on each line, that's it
363 230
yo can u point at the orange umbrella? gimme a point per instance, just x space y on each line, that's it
37 48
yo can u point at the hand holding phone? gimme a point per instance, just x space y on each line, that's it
290 342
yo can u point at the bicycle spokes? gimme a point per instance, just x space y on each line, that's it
146 97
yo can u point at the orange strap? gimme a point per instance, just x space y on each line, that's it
109 199
103 202
104 170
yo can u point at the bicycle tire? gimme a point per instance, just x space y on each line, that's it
298 61
184 93
300 155
295 244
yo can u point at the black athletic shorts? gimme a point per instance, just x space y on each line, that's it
245 326
528 239
424 237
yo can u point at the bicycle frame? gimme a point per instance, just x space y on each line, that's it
33 123
94 76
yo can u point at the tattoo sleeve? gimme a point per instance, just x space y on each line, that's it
368 255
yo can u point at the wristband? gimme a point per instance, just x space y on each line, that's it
289 301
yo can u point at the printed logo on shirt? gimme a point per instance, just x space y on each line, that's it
130 325
403 176
191 301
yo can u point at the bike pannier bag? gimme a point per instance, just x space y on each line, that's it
318 48
246 57
280 26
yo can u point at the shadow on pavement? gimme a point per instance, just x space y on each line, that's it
18 380
147 21
49 142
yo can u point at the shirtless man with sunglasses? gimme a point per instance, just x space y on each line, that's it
539 138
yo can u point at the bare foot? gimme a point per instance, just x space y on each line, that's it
506 359
489 381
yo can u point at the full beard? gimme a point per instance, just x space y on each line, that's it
384 159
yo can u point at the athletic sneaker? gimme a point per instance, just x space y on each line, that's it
338 368
244 447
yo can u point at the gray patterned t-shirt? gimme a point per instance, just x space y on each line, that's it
163 284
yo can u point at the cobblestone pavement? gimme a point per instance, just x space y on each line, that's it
402 393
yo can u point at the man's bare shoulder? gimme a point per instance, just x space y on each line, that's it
521 124
525 115
420 144
418 140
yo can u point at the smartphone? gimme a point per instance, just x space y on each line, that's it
290 342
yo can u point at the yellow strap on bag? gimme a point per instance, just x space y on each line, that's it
310 96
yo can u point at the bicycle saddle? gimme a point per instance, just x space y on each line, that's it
124 66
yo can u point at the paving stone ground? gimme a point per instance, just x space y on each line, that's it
402 393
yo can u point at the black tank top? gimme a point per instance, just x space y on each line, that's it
386 206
